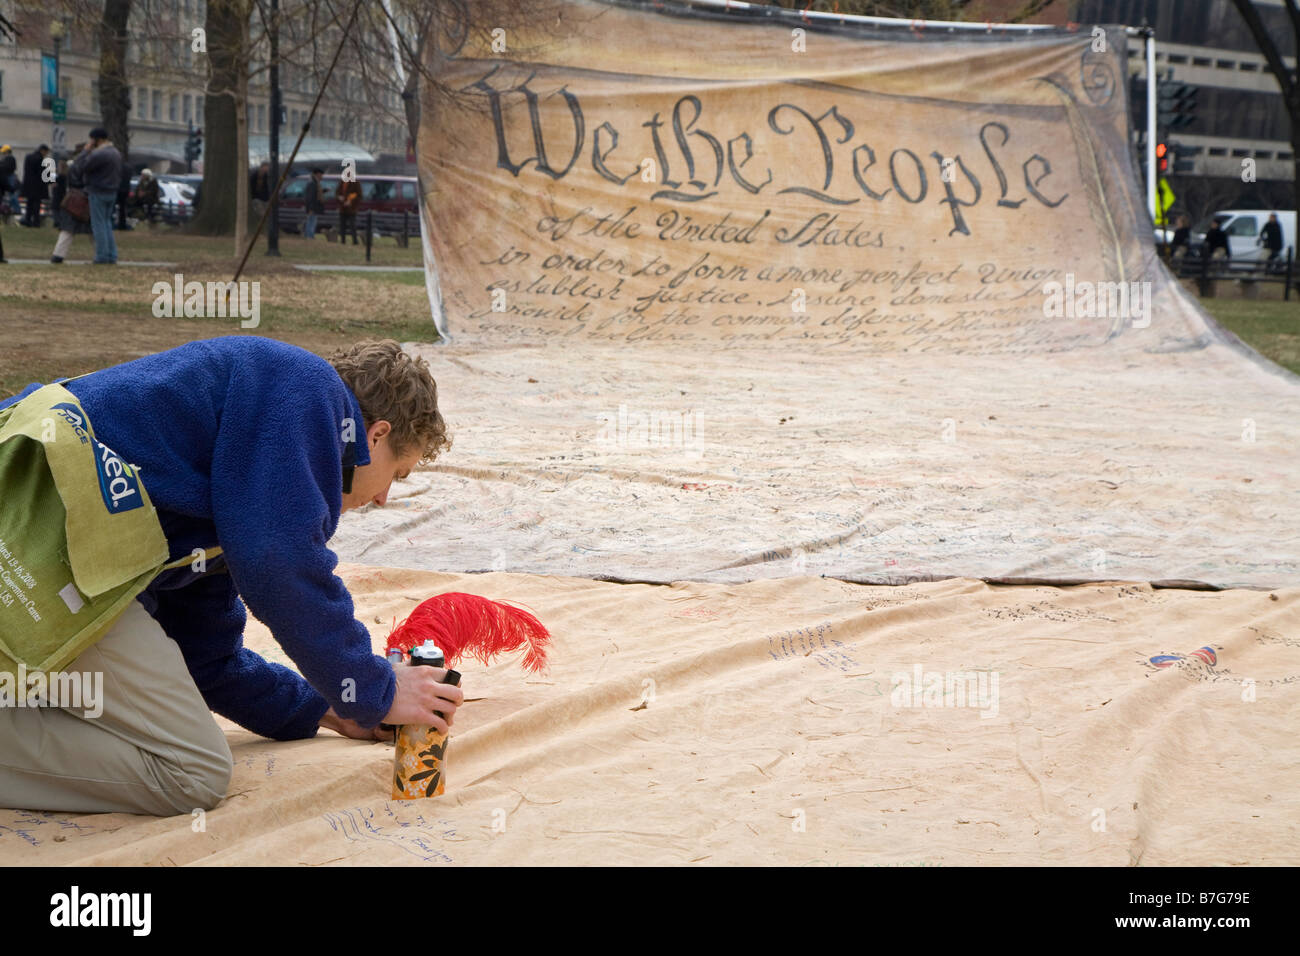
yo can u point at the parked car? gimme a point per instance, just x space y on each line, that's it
391 199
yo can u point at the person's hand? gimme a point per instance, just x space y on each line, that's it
350 728
421 696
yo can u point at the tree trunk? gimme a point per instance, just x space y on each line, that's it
225 170
241 168
114 94
1287 80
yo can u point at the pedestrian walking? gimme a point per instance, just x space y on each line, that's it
69 225
100 168
1270 237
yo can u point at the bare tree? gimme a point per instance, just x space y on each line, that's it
1286 78
225 149
114 94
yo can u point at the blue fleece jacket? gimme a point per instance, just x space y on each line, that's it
240 442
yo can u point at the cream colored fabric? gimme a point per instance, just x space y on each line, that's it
640 465
771 707
636 393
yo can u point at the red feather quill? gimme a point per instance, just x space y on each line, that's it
463 624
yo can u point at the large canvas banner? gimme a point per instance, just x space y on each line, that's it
731 296
628 175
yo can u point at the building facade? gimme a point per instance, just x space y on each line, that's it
167 75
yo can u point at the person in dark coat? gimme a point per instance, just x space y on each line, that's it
1270 237
35 189
312 200
123 197
100 167
1182 237
1216 238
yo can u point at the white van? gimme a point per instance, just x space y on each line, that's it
1243 227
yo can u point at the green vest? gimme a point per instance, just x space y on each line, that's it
79 537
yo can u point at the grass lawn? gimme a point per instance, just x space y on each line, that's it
62 320
1270 326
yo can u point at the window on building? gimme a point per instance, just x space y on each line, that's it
198 110
187 105
156 111
2 86
173 108
141 102
261 117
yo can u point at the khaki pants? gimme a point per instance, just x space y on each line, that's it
154 749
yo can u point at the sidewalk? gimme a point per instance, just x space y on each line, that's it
155 265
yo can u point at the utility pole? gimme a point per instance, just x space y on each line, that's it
1149 35
58 105
273 225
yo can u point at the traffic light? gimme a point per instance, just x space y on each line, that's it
1162 158
194 145
1175 104
1182 157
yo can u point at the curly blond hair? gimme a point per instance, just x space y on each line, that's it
398 388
